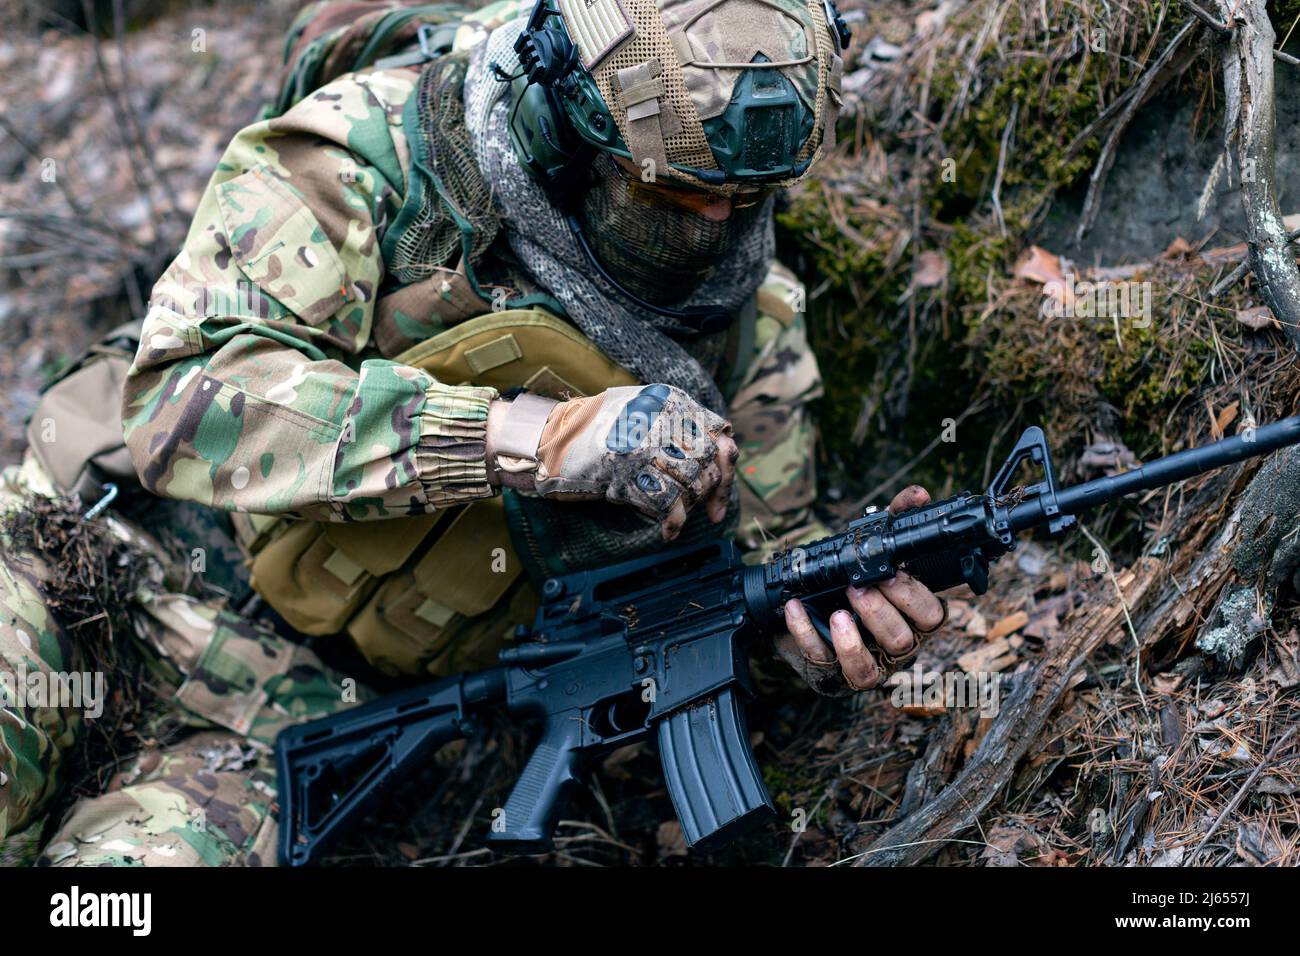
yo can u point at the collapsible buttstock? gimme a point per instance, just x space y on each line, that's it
710 770
330 769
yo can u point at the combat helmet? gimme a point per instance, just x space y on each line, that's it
716 94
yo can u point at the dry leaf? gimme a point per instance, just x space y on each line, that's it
1003 845
1287 649
670 839
1039 265
1258 318
1227 417
1271 783
1180 248
959 612
931 269
1044 626
1256 843
1108 455
932 21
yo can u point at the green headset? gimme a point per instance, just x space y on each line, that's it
559 120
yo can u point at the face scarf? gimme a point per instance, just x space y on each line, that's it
661 243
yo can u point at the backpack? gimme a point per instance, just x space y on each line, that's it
332 37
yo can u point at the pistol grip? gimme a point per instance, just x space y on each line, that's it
710 771
527 824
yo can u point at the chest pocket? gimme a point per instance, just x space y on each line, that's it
281 247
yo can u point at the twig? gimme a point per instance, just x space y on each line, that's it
977 406
128 123
69 227
1128 618
1236 275
123 64
1223 29
30 148
799 833
1016 728
464 828
1206 17
897 846
1002 166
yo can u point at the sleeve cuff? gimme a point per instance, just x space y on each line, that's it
452 451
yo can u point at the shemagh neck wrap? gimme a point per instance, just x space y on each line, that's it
639 339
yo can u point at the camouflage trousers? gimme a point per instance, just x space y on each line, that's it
203 799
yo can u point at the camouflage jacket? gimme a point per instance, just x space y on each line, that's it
264 381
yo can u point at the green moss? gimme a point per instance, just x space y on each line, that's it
863 279
787 784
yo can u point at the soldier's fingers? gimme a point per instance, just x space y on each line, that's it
882 619
913 496
683 467
915 600
725 458
673 522
705 486
859 667
805 635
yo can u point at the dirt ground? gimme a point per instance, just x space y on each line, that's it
82 257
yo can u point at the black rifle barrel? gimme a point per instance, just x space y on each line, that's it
1164 471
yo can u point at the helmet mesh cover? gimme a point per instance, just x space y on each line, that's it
607 48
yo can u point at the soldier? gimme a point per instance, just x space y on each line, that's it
494 311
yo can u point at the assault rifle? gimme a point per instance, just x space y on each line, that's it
657 647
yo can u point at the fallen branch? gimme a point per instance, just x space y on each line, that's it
1016 729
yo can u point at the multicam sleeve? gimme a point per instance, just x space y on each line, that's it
248 391
773 423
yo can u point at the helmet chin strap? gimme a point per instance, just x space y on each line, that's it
701 319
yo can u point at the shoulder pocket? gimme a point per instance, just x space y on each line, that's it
280 245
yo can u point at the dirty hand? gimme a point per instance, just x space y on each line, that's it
652 447
895 614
